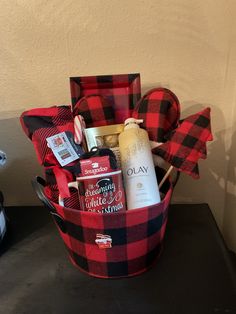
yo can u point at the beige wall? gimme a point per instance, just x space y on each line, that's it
187 46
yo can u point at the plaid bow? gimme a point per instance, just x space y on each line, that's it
187 143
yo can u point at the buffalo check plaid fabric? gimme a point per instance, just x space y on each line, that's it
160 111
96 110
187 143
132 240
39 124
121 91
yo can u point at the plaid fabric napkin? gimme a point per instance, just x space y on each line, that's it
160 111
41 123
187 143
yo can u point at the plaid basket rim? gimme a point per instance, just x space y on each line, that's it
128 212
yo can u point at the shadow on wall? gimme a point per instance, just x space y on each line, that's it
229 224
21 166
211 187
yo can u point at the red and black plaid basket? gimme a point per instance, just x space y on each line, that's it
118 244
135 237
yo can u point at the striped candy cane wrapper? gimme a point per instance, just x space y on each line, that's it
79 126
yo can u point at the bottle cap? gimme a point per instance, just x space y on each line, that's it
132 123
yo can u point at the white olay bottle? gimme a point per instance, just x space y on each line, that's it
137 165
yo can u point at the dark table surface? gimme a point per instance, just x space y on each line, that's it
194 274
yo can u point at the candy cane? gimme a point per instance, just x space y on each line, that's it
79 126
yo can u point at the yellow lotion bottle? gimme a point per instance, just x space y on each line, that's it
137 166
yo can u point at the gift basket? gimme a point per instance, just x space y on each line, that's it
105 184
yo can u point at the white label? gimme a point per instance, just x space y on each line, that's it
62 148
139 172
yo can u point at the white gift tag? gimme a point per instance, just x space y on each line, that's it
62 148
